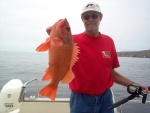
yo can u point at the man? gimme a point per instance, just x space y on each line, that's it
95 70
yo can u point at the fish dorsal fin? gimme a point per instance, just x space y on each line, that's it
75 53
44 46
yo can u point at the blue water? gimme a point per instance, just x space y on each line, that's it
26 66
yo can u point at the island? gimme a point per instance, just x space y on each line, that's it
140 54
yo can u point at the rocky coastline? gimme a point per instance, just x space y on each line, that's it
140 54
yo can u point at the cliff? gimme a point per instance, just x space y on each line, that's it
141 54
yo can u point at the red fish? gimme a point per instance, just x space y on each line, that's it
62 56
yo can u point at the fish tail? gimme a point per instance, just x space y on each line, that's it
47 75
49 91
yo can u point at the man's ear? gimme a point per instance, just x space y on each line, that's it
101 16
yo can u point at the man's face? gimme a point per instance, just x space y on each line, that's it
91 20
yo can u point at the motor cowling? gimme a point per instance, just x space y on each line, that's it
9 96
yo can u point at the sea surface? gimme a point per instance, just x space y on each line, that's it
26 66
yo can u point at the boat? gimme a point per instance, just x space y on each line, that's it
13 100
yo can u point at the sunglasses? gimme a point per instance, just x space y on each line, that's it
87 17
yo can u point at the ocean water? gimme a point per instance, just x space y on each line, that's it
26 66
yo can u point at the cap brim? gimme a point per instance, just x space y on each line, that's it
87 10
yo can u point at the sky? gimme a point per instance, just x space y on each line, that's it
23 22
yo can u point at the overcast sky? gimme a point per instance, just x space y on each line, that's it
23 22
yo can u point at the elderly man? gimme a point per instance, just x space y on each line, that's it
95 70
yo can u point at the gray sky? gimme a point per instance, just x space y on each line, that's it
23 22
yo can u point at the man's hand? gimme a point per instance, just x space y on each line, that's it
48 30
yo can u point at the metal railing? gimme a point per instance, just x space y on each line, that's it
23 90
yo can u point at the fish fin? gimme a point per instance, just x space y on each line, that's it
44 46
57 41
68 77
75 53
47 75
49 91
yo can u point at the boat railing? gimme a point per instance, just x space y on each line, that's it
33 99
23 90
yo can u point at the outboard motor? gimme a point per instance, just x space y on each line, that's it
9 96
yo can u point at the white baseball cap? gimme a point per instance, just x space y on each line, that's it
91 7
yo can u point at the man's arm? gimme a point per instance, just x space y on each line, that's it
125 81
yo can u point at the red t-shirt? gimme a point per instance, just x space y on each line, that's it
93 69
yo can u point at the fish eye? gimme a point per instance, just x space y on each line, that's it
68 28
